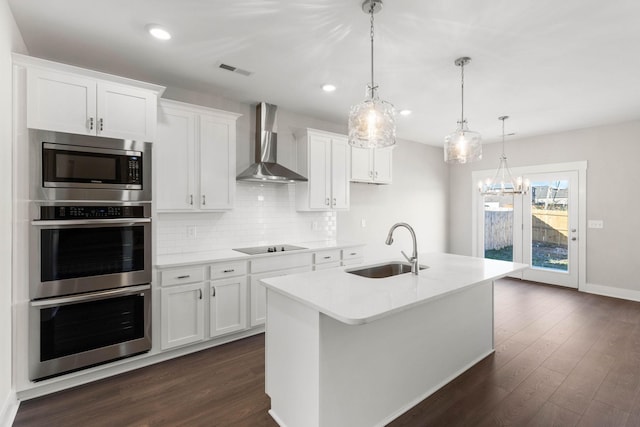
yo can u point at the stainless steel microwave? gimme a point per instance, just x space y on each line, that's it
85 168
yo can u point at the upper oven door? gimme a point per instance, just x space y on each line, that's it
70 166
78 256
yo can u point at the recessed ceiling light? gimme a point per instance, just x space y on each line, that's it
158 32
405 112
328 87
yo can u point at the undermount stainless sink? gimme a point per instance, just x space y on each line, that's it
380 271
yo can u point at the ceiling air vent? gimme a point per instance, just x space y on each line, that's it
235 69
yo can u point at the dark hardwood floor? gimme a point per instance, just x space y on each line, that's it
563 358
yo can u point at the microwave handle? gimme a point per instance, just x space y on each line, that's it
123 221
72 299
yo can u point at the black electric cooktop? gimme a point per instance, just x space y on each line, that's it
257 250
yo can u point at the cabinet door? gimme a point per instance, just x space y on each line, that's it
259 293
174 160
361 164
61 102
383 162
228 306
182 315
319 172
340 173
217 163
126 112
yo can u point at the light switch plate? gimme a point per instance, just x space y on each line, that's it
595 223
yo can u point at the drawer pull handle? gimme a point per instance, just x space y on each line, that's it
231 270
186 276
353 253
213 291
327 257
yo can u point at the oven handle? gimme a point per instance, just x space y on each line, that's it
72 299
48 223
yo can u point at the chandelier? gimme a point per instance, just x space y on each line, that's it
372 122
503 182
463 145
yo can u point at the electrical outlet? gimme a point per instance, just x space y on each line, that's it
595 223
191 231
314 225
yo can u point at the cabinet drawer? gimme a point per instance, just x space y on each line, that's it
180 276
352 261
326 265
228 269
280 262
323 257
351 253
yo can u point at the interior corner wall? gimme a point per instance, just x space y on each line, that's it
612 154
417 196
10 41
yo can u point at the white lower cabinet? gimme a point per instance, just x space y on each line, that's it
227 306
194 297
259 293
182 315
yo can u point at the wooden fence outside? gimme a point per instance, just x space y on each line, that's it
549 227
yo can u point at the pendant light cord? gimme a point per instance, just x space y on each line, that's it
462 94
371 10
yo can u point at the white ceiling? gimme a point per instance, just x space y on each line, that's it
551 65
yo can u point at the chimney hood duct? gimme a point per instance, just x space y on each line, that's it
266 168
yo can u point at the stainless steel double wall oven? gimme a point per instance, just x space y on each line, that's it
90 252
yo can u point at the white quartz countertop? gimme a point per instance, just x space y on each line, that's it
221 255
353 299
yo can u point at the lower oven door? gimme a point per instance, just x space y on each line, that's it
79 331
79 256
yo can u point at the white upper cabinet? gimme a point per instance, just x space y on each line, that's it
194 158
62 98
371 165
324 158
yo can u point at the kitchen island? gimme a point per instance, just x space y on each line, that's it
345 350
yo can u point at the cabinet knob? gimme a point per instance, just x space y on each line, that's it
371 174
326 202
334 201
376 174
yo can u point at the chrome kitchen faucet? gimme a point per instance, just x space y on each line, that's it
414 257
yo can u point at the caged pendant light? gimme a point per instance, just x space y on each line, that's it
503 182
372 122
463 145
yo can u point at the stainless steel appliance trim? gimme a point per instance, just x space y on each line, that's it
39 370
94 296
85 149
91 222
49 184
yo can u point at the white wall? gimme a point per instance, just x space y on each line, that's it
612 154
418 196
10 41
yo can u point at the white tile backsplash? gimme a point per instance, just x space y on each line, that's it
263 214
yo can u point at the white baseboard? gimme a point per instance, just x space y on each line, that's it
610 291
9 409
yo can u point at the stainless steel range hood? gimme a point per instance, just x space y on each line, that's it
266 168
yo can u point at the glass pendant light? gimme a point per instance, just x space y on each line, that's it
463 145
372 123
503 182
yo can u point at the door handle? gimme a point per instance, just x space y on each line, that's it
90 123
200 290
191 199
204 200
101 124
326 202
213 291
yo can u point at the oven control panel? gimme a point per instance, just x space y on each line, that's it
90 212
